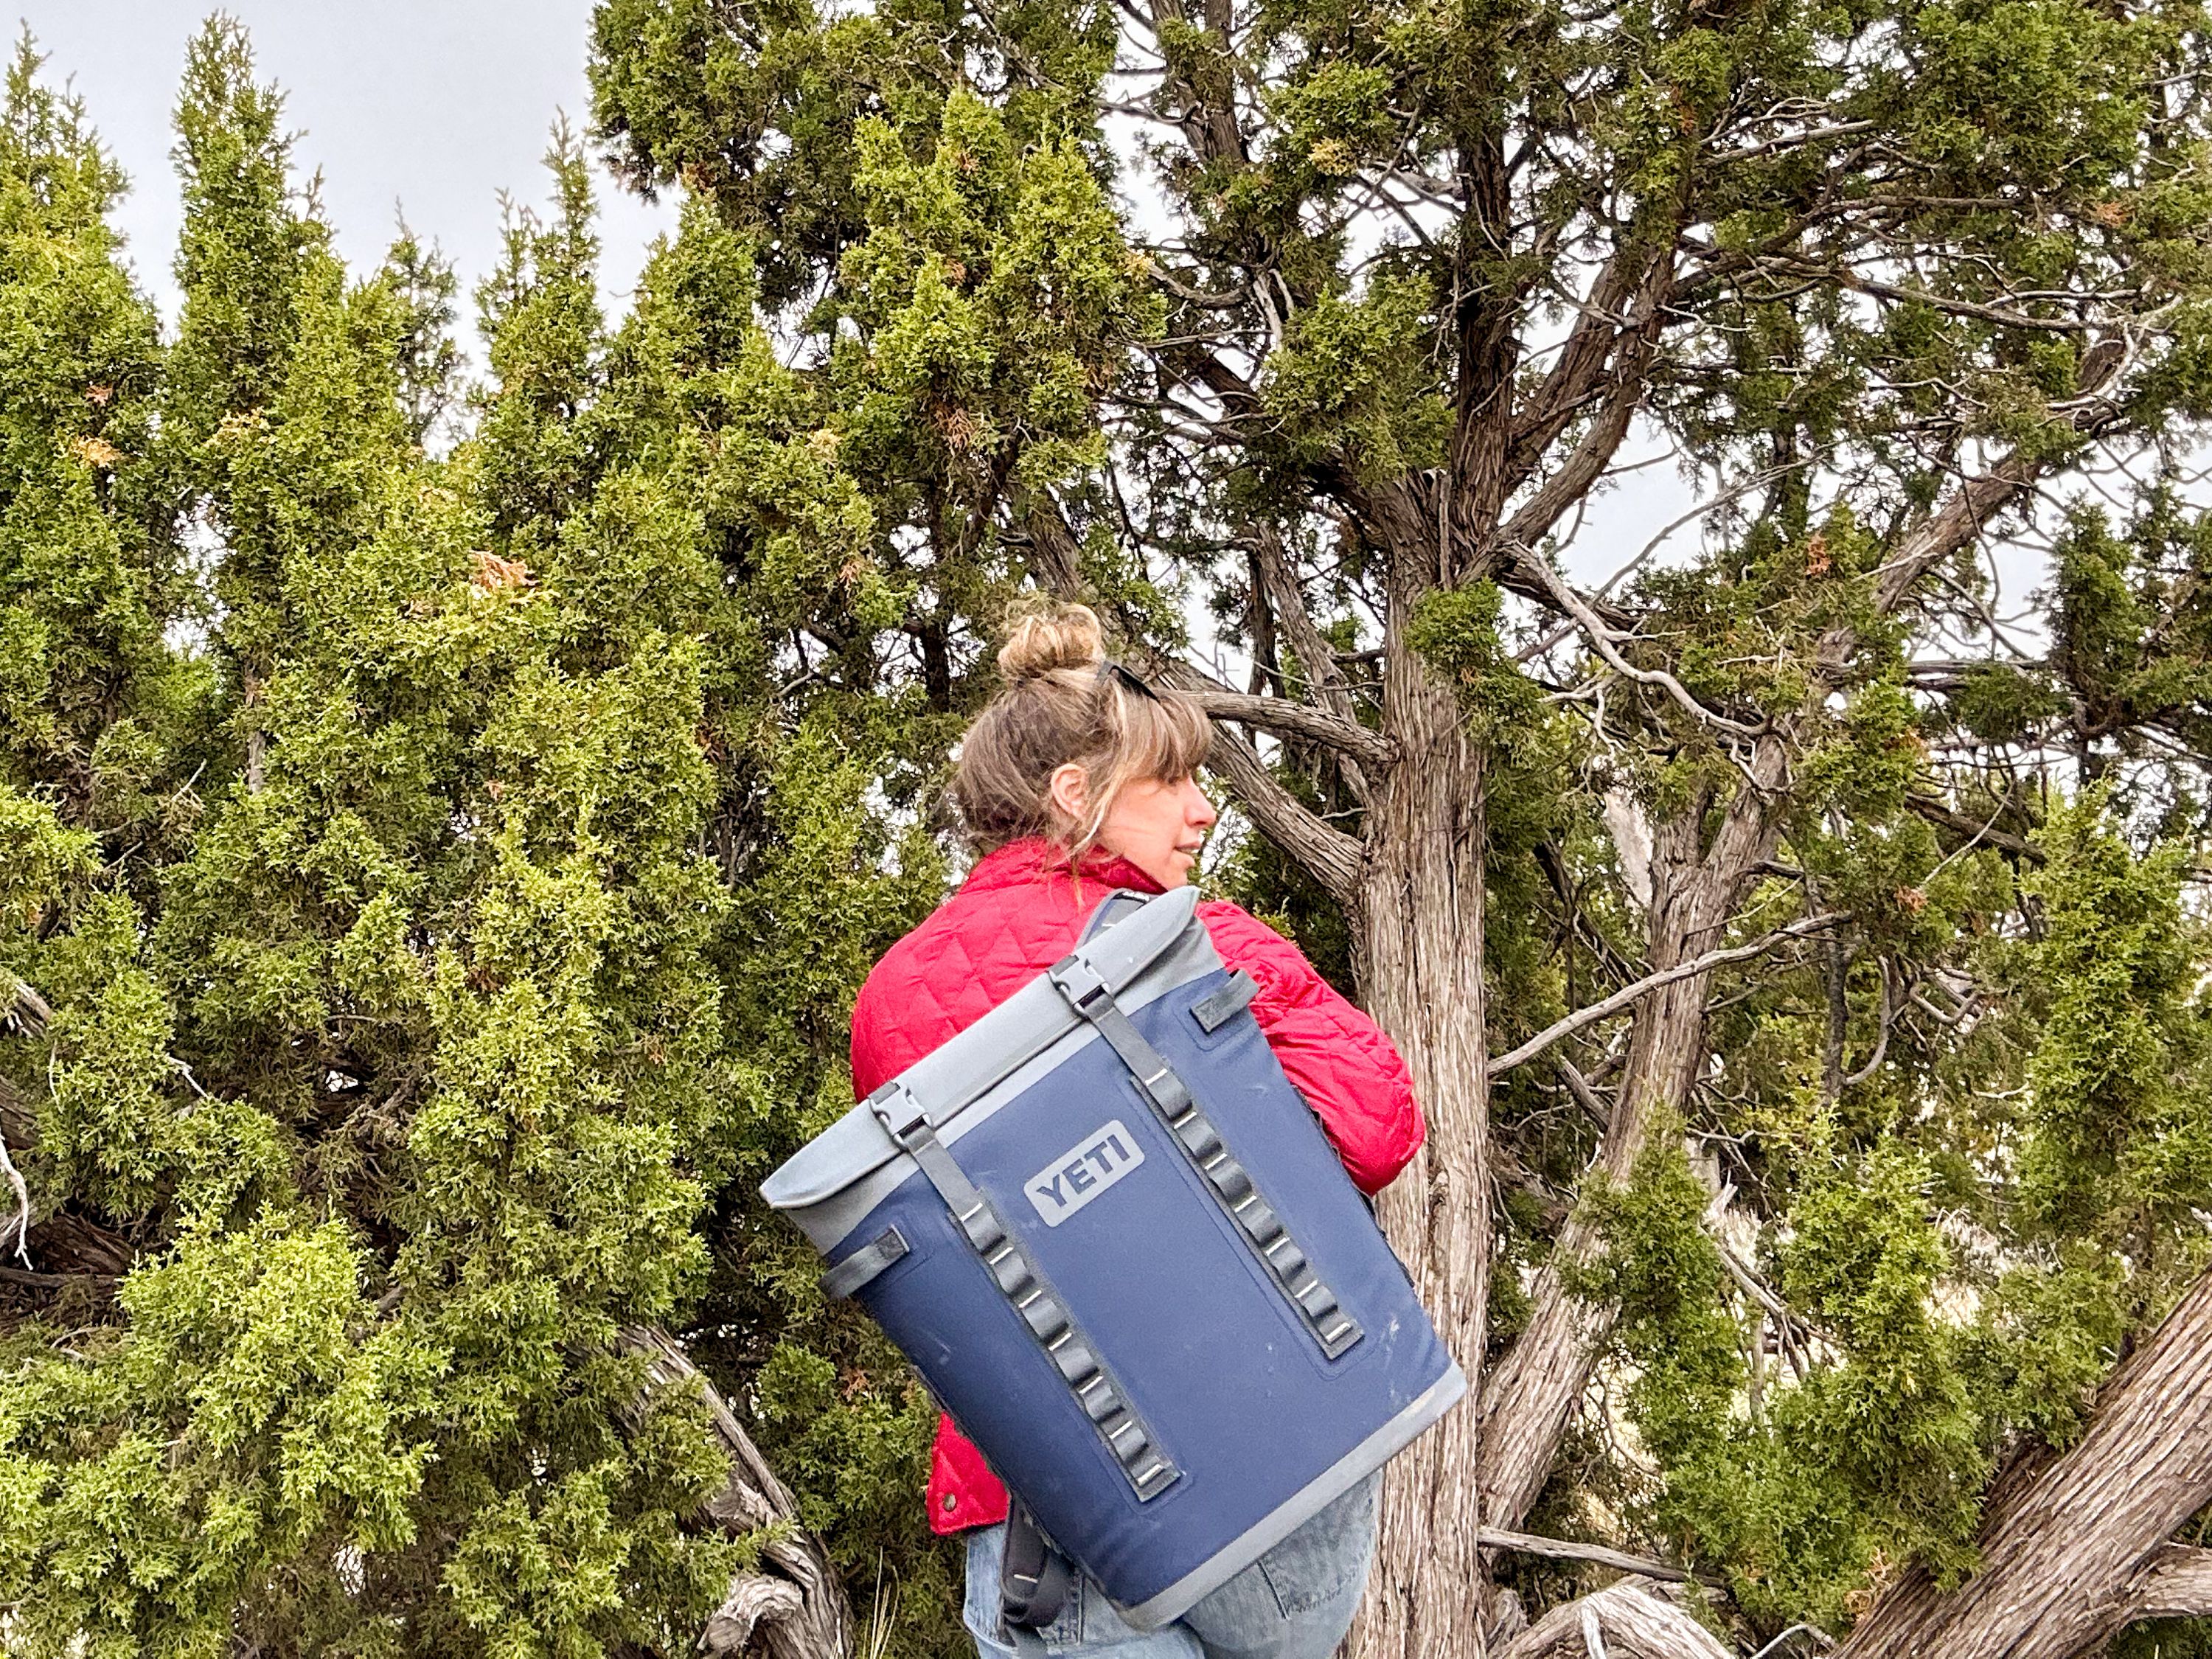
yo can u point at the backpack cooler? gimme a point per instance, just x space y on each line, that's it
1124 1256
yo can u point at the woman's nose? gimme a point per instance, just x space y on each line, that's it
1197 810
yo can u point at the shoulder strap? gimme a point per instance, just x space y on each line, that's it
1119 902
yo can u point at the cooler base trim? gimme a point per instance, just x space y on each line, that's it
1309 1501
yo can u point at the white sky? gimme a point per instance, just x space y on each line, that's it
435 106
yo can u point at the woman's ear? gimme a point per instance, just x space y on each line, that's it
1070 788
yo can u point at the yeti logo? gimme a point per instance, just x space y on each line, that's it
1083 1171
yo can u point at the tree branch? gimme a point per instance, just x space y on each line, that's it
1561 1029
1562 1549
1296 720
1962 519
1328 854
1603 640
1589 458
1634 1625
1316 655
2176 1582
799 1610
2074 1549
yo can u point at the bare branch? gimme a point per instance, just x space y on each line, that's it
1587 462
1559 1030
1328 854
1998 314
25 1010
1604 640
1634 1625
1314 653
20 1221
1296 720
1790 141
1563 1549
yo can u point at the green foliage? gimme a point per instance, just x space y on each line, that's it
1879 1452
449 822
449 892
1351 378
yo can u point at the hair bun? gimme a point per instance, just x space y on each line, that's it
1052 636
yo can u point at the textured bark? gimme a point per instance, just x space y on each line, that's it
2076 1548
1621 1622
2176 1582
1421 944
794 1607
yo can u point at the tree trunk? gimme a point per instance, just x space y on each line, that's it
1421 948
1536 1385
2076 1548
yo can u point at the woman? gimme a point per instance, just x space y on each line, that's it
1077 781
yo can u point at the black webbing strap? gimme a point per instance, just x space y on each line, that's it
1263 1230
1149 1470
865 1263
1213 1012
1034 1578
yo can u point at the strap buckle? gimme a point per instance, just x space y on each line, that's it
901 1112
1084 986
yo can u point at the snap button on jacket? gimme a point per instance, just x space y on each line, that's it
1021 910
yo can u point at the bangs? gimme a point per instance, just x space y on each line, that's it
1165 737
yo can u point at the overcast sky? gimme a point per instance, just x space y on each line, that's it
432 106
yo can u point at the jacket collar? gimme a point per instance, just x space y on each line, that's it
1037 860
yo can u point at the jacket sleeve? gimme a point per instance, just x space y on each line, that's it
1338 1059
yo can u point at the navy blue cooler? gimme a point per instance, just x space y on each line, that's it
1120 1250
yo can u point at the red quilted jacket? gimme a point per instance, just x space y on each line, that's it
1020 910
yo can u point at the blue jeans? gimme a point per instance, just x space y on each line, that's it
1294 1603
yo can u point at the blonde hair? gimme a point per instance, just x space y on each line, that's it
1060 706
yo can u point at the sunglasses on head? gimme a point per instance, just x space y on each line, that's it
1128 676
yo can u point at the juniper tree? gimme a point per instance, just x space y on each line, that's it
432 888
1407 291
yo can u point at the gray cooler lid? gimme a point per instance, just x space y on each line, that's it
1138 948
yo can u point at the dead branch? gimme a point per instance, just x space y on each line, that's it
1605 641
24 1012
1559 1030
1562 1549
1629 1623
